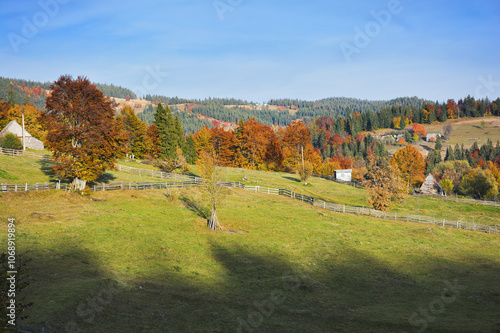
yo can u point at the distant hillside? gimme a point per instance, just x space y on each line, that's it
19 91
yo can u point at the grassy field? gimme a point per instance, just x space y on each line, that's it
139 261
469 130
136 261
30 170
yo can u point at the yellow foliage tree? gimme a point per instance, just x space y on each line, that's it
411 165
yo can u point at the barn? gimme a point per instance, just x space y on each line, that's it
431 186
16 129
344 175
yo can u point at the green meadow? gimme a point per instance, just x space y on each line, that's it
144 261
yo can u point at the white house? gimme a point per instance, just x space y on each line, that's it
344 175
16 129
431 136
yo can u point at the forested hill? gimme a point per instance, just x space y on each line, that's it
19 91
342 106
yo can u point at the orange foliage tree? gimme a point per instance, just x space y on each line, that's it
296 138
419 130
135 131
225 146
411 165
451 109
153 142
82 132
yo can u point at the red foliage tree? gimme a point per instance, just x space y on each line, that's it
82 132
419 130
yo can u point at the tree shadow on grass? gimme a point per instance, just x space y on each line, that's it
249 286
104 178
196 207
46 168
259 291
297 180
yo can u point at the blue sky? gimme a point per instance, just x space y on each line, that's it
256 49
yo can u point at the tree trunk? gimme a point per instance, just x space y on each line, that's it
78 185
213 222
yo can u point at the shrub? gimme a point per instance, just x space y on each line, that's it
11 141
479 184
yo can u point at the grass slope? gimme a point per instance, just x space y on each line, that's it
32 171
139 262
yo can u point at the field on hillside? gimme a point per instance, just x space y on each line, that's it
464 131
469 130
141 261
28 170
149 264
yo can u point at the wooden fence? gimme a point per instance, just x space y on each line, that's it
333 179
460 200
33 187
155 173
266 190
190 181
15 152
377 213
143 185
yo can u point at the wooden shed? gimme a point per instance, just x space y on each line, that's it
16 129
431 186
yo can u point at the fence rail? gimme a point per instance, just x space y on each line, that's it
155 173
190 181
143 185
376 213
460 200
32 187
267 190
333 179
15 152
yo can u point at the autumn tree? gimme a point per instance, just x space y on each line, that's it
446 185
295 140
153 140
383 183
411 165
254 140
225 146
480 184
274 153
451 109
135 131
419 130
32 119
82 132
213 192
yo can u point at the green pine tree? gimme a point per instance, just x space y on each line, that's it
164 121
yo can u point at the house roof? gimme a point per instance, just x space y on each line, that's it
14 128
430 180
345 170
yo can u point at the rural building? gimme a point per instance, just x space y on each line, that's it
431 186
344 175
431 136
16 129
